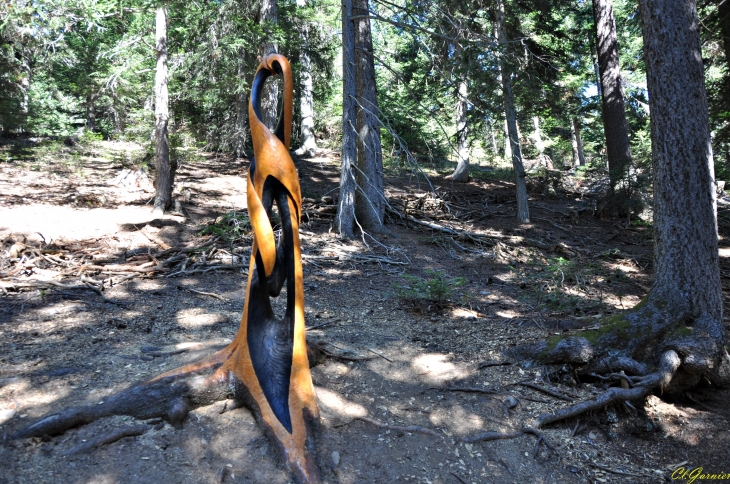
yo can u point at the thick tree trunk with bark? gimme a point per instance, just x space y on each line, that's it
615 127
165 172
306 102
345 219
523 212
369 200
681 317
461 173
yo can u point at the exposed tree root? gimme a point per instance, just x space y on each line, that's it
169 396
668 367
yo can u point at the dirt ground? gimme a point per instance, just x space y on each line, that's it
398 357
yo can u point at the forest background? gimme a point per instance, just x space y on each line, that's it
78 66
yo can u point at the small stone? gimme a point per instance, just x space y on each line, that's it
510 401
6 415
335 458
592 436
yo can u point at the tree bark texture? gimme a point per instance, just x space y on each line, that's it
268 16
615 127
164 178
523 212
346 208
369 203
686 262
461 173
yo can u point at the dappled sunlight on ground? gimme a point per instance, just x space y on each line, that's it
458 420
191 318
436 369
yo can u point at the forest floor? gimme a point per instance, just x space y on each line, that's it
408 321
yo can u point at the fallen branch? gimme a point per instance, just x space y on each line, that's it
616 471
203 293
111 437
552 393
411 428
492 435
466 390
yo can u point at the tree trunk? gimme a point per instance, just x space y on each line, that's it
686 262
574 144
724 13
306 102
540 144
241 134
164 178
494 138
268 16
369 202
523 212
90 112
461 173
682 314
579 142
615 126
507 145
346 208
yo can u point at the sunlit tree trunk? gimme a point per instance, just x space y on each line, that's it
345 219
577 142
164 176
540 144
523 212
615 127
369 202
306 102
461 173
241 135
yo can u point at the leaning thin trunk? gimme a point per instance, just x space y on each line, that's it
615 126
369 204
523 212
461 173
163 181
268 16
345 220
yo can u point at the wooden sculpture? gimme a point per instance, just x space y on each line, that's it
272 353
266 365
